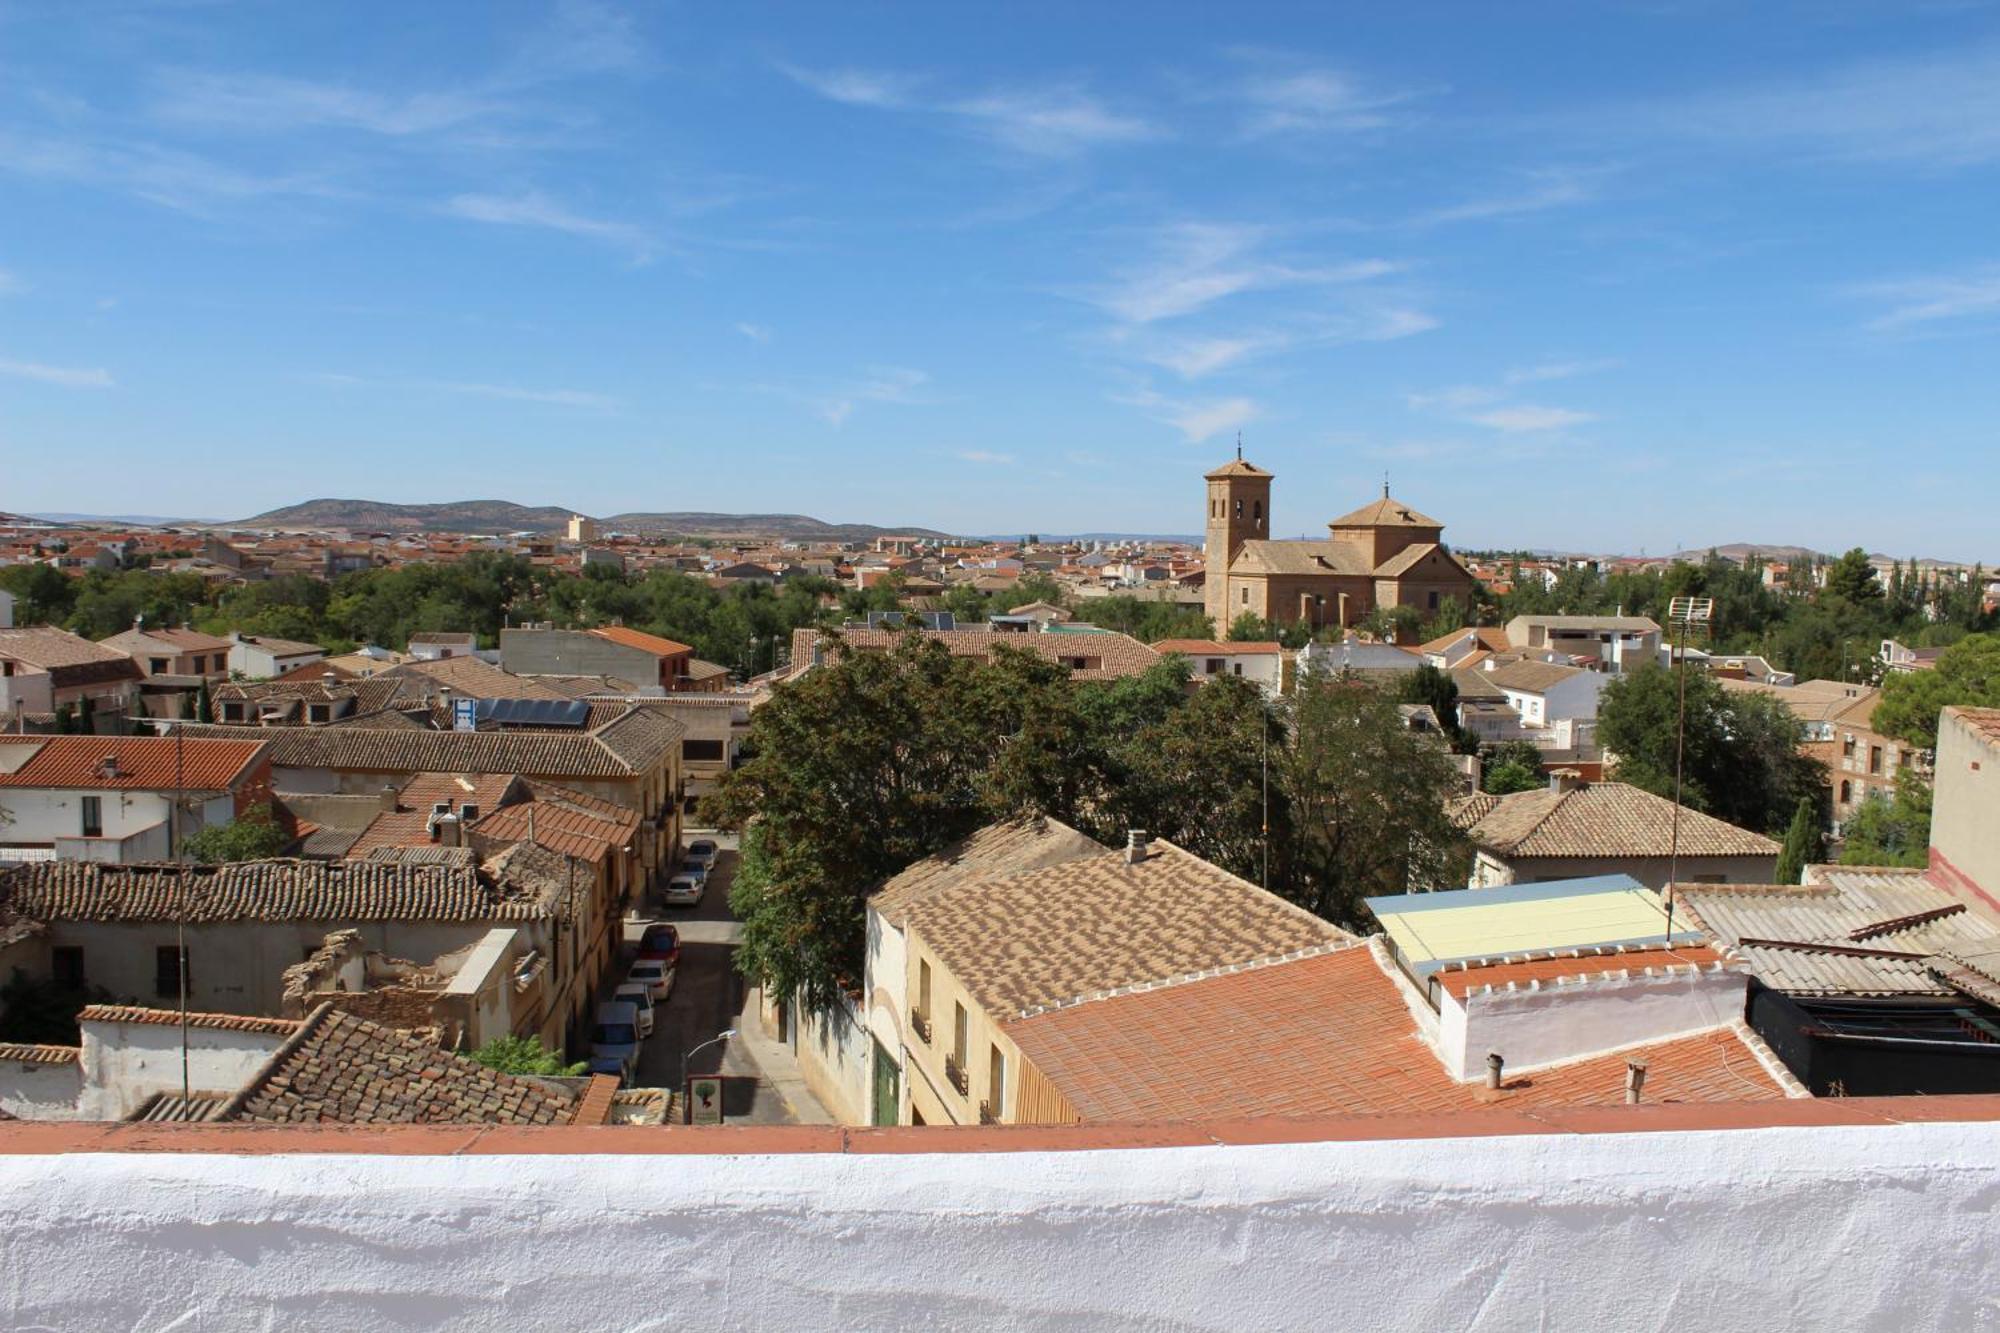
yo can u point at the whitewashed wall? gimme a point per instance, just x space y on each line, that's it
36 1090
1876 1227
126 1064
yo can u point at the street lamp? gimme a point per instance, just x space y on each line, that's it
1683 612
691 1053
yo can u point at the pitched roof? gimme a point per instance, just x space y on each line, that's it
1489 637
1030 941
1602 819
651 643
632 745
173 638
1009 848
1985 722
1413 555
1301 557
1860 931
1327 1034
346 1070
1117 655
1212 648
48 648
1385 513
144 763
274 890
1531 677
134 1013
1235 467
472 678
1627 624
279 647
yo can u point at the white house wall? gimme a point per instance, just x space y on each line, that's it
36 1090
125 1064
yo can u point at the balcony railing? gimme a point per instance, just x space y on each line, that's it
986 1116
955 1071
921 1026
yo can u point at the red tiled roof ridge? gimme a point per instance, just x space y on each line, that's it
39 1053
1662 971
1188 978
134 1013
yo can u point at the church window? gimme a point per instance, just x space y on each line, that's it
1434 601
1257 510
1239 509
1246 597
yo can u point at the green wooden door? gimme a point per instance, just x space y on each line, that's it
888 1087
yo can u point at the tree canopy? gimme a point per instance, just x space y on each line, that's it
1967 673
875 760
1742 763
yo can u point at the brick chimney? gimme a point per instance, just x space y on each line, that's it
1138 843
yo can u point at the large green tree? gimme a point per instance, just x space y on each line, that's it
1967 673
1890 831
1366 800
1743 761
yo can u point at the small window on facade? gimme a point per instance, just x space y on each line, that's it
923 988
66 966
1434 602
159 665
961 1025
996 1081
1239 509
1846 792
169 970
1257 510
1246 597
93 816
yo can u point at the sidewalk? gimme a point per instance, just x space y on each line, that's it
777 1065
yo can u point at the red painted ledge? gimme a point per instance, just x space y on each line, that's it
26 1138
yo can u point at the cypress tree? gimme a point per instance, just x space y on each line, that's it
1803 843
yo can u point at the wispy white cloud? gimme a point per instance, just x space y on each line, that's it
1558 370
535 209
1057 120
756 333
67 377
1281 95
1494 406
1199 263
880 384
1528 416
271 104
988 457
1541 191
169 177
1197 420
1941 109
1197 357
1921 304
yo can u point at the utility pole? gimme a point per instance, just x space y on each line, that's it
1681 612
177 852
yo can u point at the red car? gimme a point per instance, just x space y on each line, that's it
661 941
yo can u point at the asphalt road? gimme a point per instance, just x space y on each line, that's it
708 997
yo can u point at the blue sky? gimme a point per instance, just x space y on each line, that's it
1604 276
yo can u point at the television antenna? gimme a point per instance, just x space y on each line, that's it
1682 613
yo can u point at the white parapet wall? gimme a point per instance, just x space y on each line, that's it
1863 1225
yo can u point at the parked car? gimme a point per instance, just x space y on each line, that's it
641 995
661 941
684 890
695 869
702 852
616 1037
656 974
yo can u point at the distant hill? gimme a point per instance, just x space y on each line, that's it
481 516
1741 551
125 520
490 516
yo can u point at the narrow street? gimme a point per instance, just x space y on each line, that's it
710 997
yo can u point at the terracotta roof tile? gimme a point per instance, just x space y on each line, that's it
1329 1034
277 890
1458 978
633 638
144 763
132 1013
347 1070
34 1054
1115 655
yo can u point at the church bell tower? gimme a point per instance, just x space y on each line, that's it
1239 510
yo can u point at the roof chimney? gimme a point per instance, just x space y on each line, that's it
388 799
1565 779
1137 841
1635 1079
1494 1068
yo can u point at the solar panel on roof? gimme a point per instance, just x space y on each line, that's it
534 712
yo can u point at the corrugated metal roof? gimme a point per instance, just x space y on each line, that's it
1431 929
1845 913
